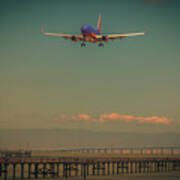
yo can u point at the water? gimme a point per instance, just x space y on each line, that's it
172 176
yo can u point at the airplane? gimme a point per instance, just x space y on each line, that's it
90 34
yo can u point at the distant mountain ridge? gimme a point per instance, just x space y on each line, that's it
66 139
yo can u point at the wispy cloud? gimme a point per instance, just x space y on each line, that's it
84 117
77 117
115 117
130 118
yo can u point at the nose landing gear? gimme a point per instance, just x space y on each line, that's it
101 45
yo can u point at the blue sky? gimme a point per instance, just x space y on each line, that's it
44 77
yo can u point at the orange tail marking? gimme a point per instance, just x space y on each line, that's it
99 23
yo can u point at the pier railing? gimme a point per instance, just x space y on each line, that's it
174 150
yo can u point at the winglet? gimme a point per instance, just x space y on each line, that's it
99 23
42 30
148 30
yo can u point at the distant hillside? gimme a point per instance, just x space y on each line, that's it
57 139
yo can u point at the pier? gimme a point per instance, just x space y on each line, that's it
35 167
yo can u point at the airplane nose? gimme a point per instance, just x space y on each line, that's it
84 29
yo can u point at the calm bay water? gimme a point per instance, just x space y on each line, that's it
158 177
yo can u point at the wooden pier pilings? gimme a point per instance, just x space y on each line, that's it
83 167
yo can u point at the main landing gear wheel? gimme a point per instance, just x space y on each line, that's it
83 45
101 45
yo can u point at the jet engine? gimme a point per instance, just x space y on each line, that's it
105 38
74 38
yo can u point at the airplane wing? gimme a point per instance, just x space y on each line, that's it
121 36
67 36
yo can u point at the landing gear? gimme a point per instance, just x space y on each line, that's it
83 44
101 45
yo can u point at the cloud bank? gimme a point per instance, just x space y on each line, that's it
130 118
114 117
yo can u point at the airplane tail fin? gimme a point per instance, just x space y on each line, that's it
99 23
